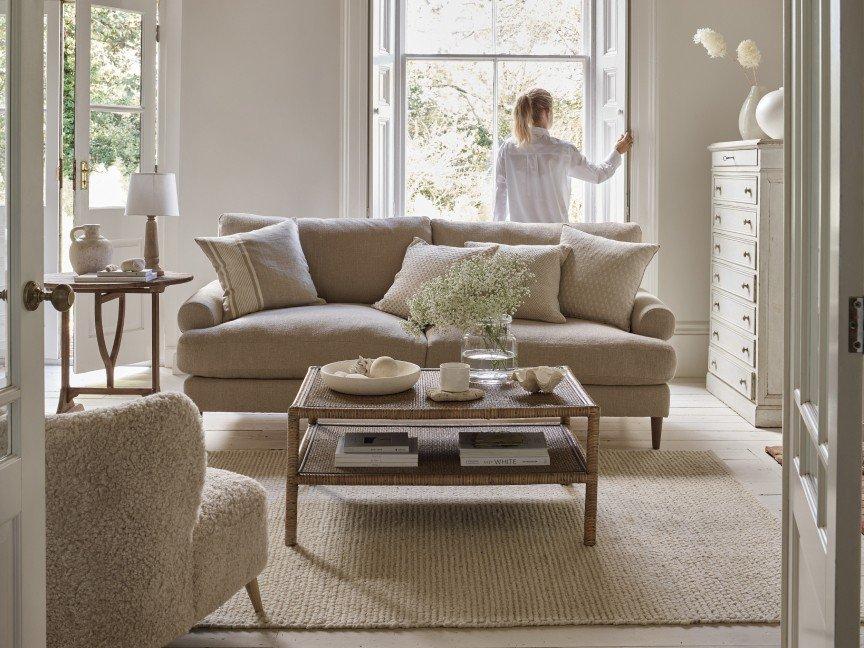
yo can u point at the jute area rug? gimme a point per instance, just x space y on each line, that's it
679 541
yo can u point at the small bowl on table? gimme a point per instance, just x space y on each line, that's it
359 385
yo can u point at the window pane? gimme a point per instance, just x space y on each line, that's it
538 26
448 148
115 57
448 26
567 84
115 149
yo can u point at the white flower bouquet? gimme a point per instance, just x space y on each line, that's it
748 54
473 291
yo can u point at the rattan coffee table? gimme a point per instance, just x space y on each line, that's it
312 461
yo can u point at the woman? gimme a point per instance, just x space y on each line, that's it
533 171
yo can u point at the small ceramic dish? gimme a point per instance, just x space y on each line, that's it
359 385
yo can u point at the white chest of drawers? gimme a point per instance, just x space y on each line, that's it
745 352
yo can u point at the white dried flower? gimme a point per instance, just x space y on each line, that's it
713 42
473 291
749 55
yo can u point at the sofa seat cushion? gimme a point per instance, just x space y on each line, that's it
598 354
283 343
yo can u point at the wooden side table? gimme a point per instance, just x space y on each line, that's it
103 293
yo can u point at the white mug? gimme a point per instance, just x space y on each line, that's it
455 376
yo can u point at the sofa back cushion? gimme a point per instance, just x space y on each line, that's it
457 233
351 260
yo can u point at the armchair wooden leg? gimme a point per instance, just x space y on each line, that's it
656 431
255 596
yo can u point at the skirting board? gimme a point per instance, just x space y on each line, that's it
761 416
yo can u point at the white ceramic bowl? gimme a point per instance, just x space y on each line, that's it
409 375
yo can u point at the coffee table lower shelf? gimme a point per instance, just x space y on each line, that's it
438 463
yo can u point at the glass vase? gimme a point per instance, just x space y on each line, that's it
489 348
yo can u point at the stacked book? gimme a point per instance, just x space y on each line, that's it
503 449
359 450
107 276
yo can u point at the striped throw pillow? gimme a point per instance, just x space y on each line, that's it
261 269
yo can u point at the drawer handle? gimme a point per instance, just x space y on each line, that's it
717 248
718 190
742 382
716 277
747 221
728 157
715 335
714 363
745 286
748 190
717 218
745 318
747 255
745 351
716 305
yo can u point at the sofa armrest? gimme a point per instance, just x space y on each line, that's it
203 309
651 317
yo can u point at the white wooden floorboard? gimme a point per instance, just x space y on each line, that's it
697 421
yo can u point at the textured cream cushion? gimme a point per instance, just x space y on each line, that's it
261 269
544 262
283 343
598 354
351 260
423 262
457 233
600 278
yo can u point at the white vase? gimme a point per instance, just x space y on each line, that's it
747 117
89 251
769 114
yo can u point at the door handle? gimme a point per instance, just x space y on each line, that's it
61 297
85 175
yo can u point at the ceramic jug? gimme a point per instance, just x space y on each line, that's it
89 251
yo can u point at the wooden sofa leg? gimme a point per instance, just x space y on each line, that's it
255 596
656 431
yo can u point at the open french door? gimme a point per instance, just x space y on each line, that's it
22 429
825 282
115 136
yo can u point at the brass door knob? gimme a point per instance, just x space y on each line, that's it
61 297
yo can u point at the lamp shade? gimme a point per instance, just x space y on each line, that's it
152 194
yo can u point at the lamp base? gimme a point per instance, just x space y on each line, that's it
151 247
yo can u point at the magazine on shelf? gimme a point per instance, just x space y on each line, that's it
378 442
370 459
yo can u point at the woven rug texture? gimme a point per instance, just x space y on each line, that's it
679 541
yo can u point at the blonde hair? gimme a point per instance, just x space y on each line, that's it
528 111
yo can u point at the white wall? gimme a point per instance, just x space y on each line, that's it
259 121
697 100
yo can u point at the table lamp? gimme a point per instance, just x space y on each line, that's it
152 195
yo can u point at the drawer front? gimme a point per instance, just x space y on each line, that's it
736 282
733 311
749 157
736 344
733 374
741 189
731 219
733 250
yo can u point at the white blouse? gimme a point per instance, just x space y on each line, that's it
532 182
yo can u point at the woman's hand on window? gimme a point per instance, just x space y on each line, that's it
624 143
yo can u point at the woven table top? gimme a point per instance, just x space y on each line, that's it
439 455
501 401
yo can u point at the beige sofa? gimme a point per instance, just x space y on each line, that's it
256 362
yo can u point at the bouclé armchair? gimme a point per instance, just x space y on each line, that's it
143 540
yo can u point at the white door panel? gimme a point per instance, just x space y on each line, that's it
823 375
103 108
22 454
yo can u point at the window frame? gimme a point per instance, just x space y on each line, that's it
586 58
